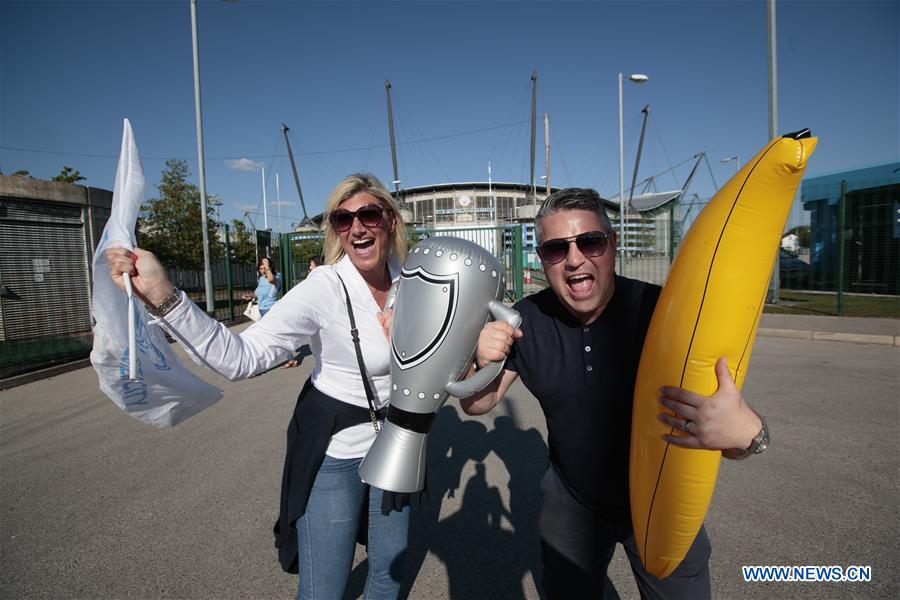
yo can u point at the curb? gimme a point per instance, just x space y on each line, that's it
32 376
831 336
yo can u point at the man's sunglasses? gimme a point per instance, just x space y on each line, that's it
591 243
370 215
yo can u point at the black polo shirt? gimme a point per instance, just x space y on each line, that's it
583 376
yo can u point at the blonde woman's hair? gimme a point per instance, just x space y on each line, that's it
348 187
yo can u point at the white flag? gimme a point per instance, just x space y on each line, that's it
165 392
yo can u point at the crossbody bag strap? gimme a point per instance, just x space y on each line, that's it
354 332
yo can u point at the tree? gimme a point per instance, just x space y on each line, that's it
68 175
243 250
170 225
21 173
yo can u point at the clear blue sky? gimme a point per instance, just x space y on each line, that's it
71 71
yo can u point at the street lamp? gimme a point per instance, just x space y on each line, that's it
634 78
731 158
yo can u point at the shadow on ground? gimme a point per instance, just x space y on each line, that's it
483 559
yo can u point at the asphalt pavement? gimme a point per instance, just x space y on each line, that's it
93 504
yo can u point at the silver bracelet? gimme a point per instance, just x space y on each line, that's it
167 305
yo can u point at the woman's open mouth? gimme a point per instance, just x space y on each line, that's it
364 248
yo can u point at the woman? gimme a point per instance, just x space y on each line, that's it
322 497
267 287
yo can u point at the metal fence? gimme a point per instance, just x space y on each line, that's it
297 249
46 292
504 242
843 256
230 282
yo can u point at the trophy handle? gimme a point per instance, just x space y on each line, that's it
483 378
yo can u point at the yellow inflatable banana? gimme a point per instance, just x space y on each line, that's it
709 308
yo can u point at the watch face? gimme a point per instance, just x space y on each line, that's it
761 442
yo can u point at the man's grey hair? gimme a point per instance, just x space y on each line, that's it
572 199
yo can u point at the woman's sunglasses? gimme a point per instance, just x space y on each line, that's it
591 243
370 215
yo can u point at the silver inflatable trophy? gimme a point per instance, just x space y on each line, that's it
448 289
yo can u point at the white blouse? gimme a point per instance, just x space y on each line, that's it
314 312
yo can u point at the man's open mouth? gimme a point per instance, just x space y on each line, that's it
580 285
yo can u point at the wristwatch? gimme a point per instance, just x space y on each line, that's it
759 444
167 305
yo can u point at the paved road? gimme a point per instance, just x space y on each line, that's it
96 505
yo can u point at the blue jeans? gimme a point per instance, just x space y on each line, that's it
326 536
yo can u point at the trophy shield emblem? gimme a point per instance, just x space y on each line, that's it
413 342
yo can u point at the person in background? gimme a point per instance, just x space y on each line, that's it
267 287
316 261
323 501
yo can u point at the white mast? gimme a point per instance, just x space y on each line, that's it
490 192
278 199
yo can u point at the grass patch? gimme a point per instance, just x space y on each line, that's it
796 302
22 356
42 350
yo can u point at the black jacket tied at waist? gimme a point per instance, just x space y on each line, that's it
316 418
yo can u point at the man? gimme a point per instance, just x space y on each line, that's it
577 352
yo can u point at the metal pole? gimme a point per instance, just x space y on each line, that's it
305 221
265 210
841 235
228 273
207 273
547 148
671 233
621 240
287 274
490 191
533 121
390 110
637 160
775 280
518 284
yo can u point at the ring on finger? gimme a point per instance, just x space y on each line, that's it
688 425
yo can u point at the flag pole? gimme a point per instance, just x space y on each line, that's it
132 338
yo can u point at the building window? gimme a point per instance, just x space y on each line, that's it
505 207
484 208
443 208
424 212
